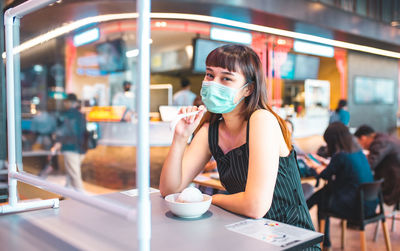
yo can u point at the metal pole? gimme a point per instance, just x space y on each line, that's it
12 183
28 7
143 156
3 127
102 204
17 90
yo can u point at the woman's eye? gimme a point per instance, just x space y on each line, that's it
208 75
226 79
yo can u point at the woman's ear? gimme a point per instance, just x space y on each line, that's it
249 89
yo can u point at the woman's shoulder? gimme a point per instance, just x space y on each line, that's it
350 156
263 115
264 120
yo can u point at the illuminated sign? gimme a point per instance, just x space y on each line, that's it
106 113
313 49
230 36
86 37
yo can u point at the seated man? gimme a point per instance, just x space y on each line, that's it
384 158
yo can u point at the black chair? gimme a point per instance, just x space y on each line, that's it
393 214
366 192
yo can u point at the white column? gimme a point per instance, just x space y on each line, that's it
143 147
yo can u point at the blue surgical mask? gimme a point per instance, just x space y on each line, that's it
219 98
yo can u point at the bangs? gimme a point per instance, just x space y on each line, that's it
226 57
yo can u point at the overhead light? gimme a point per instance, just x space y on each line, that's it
132 53
230 36
189 51
38 68
86 37
35 100
161 24
281 41
313 49
201 18
279 32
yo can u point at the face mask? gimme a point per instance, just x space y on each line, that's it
219 98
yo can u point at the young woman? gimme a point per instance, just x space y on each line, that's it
250 143
347 169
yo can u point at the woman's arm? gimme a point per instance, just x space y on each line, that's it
265 144
331 169
184 163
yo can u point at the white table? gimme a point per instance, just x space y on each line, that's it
75 226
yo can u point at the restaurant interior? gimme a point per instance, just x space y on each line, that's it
91 49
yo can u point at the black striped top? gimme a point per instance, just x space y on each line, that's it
288 204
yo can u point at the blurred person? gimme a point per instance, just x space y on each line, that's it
383 152
347 169
340 114
290 127
304 169
44 125
125 98
184 97
70 138
249 141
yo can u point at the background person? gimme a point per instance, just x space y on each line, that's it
44 125
184 97
340 114
348 168
125 98
70 139
249 142
384 159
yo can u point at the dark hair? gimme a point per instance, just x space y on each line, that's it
241 58
364 130
185 82
339 139
342 103
125 83
72 97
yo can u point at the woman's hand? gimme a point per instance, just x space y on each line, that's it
314 165
323 160
186 126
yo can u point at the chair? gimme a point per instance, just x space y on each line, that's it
393 214
366 192
396 211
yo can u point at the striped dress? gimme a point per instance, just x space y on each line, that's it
288 204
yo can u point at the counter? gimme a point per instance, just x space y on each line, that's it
124 133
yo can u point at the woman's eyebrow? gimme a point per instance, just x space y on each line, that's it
209 69
228 73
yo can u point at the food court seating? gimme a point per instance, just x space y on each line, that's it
366 192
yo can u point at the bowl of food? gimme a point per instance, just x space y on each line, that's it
190 203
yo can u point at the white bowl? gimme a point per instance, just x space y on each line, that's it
188 209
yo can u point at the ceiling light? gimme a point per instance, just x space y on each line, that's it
193 17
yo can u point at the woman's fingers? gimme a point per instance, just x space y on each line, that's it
190 109
200 114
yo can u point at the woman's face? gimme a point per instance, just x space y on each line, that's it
231 79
